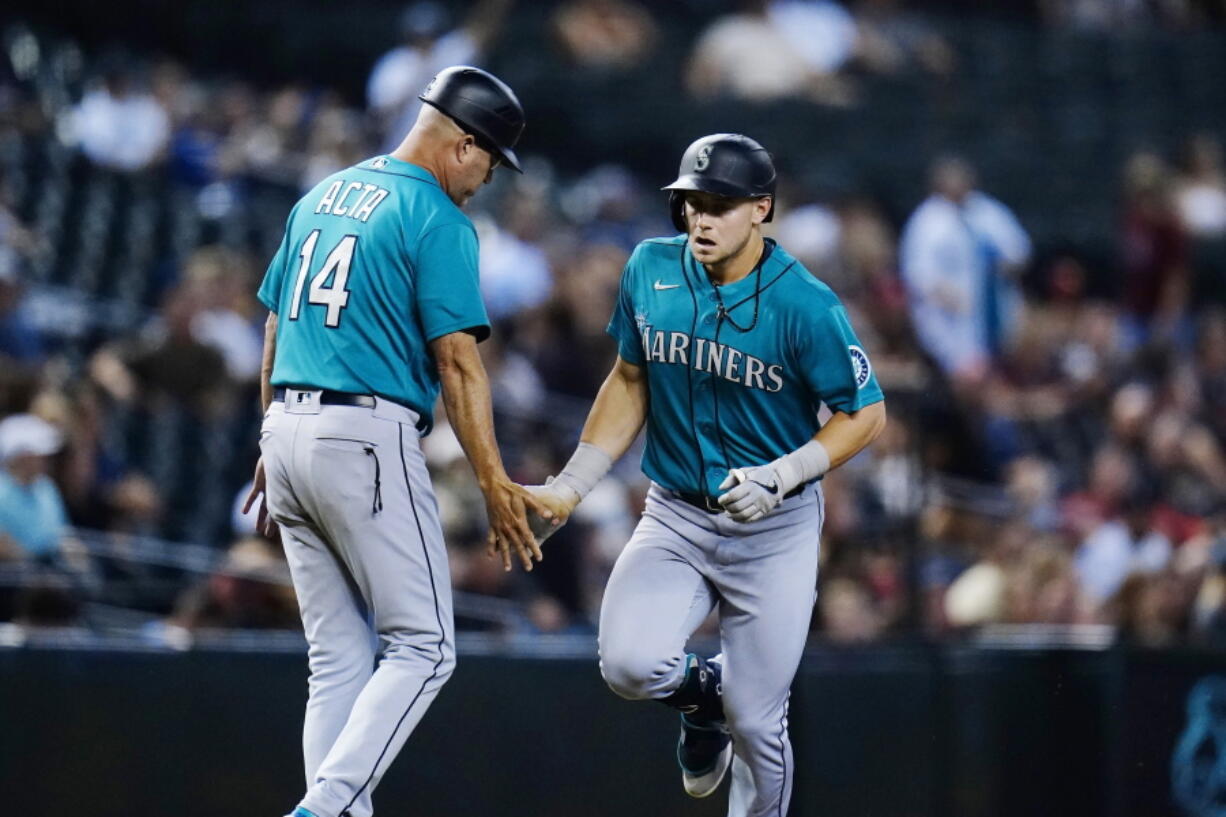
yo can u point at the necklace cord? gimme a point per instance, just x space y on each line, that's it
725 312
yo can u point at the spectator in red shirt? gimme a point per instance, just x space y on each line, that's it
1153 252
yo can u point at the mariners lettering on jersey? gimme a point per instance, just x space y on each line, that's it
713 358
356 200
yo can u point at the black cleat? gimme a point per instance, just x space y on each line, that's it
704 753
704 750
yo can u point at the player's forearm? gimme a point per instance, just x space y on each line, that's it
838 441
845 435
270 353
614 421
466 395
619 412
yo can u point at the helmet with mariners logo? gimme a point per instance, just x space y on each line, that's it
726 164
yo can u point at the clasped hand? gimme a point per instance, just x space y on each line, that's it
560 502
750 493
512 509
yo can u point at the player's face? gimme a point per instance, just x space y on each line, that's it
720 226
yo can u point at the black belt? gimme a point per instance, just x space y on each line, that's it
709 504
331 398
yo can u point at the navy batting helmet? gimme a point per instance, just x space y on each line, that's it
726 164
482 105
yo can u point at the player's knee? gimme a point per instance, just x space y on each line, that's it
446 665
429 655
626 684
633 675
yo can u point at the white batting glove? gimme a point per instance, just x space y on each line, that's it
754 493
556 497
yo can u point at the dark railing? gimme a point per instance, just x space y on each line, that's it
526 728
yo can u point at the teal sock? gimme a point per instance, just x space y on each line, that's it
698 697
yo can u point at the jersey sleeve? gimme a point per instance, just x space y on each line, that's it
448 283
274 277
833 362
622 326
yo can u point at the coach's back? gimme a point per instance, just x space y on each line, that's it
376 262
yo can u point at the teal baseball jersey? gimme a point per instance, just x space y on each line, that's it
376 263
736 373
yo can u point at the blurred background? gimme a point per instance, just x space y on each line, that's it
1023 582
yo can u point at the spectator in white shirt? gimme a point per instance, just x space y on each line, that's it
961 251
427 47
822 32
120 126
1200 191
770 51
515 273
1122 546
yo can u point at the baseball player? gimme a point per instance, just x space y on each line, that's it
727 347
374 307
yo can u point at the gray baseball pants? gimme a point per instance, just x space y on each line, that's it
349 488
761 576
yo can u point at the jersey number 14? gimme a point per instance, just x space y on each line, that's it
336 296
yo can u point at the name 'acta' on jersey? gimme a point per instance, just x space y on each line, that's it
337 200
708 356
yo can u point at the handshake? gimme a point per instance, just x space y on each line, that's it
522 517
559 500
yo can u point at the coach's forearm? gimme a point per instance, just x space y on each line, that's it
845 435
620 410
466 394
270 354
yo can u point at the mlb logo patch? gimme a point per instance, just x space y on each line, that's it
860 365
303 401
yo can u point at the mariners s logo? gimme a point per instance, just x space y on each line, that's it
1198 766
703 159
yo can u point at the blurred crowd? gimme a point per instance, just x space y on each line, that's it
1056 451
